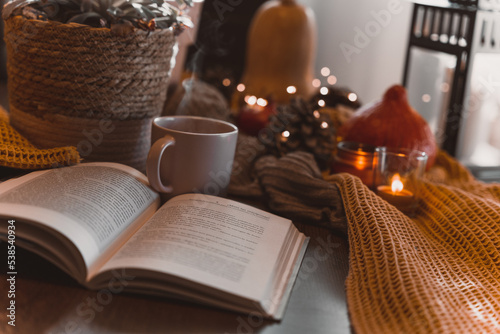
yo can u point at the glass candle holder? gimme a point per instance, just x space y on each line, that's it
397 177
356 159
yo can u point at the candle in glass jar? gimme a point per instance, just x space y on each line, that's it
356 159
396 195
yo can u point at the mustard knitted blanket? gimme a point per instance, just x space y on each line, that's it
17 152
438 272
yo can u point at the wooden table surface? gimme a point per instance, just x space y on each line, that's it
49 301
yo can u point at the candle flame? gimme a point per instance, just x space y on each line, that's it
397 184
360 163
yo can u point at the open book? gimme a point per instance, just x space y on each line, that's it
103 225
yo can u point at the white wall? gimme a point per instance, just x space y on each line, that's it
363 42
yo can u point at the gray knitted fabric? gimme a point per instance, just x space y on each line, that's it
291 186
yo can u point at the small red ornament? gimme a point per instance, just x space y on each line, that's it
253 117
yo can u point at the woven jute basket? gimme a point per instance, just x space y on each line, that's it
72 84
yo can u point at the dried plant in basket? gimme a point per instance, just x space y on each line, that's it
119 15
91 73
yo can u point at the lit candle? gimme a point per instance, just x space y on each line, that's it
355 159
254 114
396 195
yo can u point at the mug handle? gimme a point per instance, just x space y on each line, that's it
153 163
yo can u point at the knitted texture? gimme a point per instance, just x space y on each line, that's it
296 189
292 185
81 71
72 84
436 273
244 182
17 152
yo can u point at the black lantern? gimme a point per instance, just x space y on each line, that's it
452 74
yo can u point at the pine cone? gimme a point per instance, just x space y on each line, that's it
299 127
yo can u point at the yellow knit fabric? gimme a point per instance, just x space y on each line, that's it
17 152
438 272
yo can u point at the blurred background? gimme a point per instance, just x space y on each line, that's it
216 48
367 66
362 44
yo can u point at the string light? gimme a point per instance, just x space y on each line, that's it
352 97
321 103
250 100
261 102
291 89
284 136
324 125
325 71
226 82
240 88
332 80
316 83
316 114
323 90
426 98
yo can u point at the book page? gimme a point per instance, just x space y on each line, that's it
210 240
90 204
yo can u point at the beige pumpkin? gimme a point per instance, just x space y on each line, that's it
281 50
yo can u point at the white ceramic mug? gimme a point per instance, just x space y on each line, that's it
191 155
